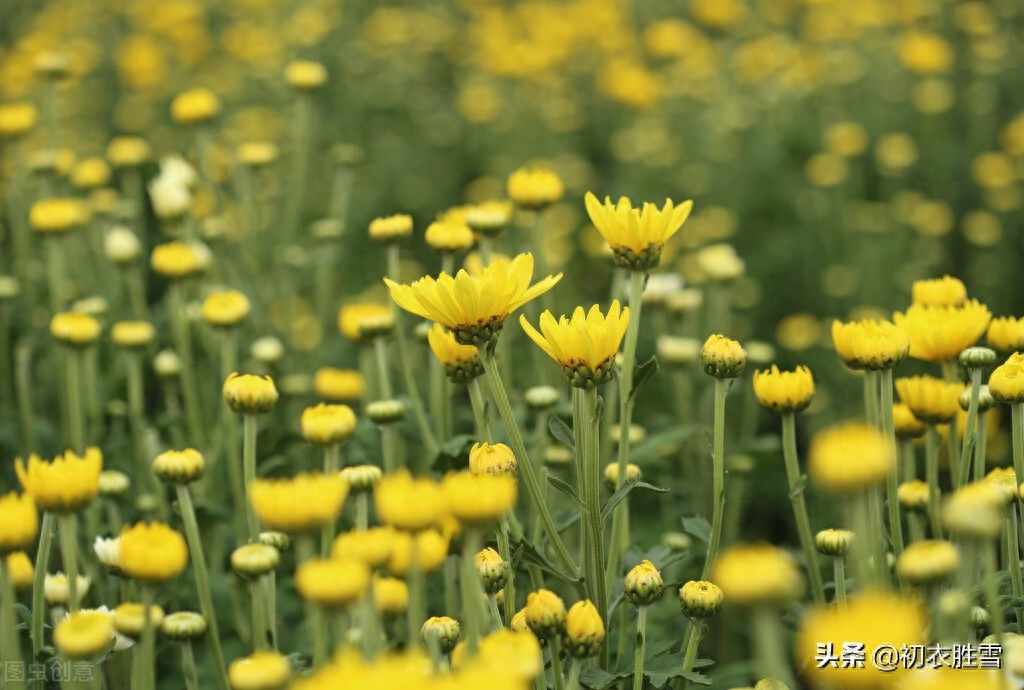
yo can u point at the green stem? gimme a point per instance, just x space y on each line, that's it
23 392
451 572
981 448
574 674
249 472
380 351
147 677
46 530
796 498
641 646
363 511
871 398
269 588
76 418
55 270
10 652
970 432
370 625
991 587
389 447
892 482
1013 563
405 364
555 647
476 399
414 612
136 291
193 414
69 555
691 641
472 591
768 641
195 546
931 468
505 551
524 463
492 604
332 465
1017 427
718 490
305 550
590 491
863 550
188 666
839 573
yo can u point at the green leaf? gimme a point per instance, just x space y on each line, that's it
642 374
564 487
643 453
668 665
801 483
531 555
452 455
561 431
624 491
598 410
698 527
24 612
598 678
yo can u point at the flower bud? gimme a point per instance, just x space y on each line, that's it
518 622
179 466
1006 382
391 228
449 237
770 684
545 613
183 626
132 335
362 478
700 599
677 541
833 542
114 483
644 584
978 617
493 570
445 629
249 394
611 475
121 246
56 588
540 398
492 459
390 595
279 540
584 630
722 358
268 350
913 495
167 364
977 356
194 106
928 561
108 553
384 412
225 309
20 570
129 619
327 425
253 560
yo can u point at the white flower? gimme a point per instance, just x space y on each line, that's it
108 551
267 349
56 591
121 245
177 169
660 285
171 197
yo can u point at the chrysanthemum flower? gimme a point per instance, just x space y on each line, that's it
407 503
66 485
939 292
152 552
19 522
870 344
850 457
1006 382
636 236
751 574
83 634
478 499
461 363
332 581
784 391
326 425
225 308
473 307
1006 334
584 345
303 503
941 333
932 400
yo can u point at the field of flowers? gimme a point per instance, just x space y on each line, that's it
548 344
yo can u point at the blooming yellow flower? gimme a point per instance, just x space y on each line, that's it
928 560
489 218
305 75
874 618
975 510
478 499
906 424
194 106
850 457
870 344
355 319
65 485
1006 334
130 618
1006 382
492 459
913 495
305 502
473 307
326 425
784 391
429 546
585 345
225 308
332 581
922 52
262 670
74 328
722 357
941 333
57 215
256 154
390 228
127 151
250 394
175 260
19 569
83 634
372 546
390 595
152 552
750 574
636 236
946 291
19 522
17 119
339 385
584 629
461 363
510 659
449 237
407 503
932 400
132 334
534 188
90 173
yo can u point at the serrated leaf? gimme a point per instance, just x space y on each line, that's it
597 678
564 487
801 483
625 490
642 375
561 431
698 527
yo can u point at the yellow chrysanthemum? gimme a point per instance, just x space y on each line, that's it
429 546
303 503
850 457
1006 383
19 522
932 400
751 574
584 345
1006 334
534 188
478 498
869 344
473 307
636 236
332 581
152 552
339 385
353 319
784 391
225 308
326 425
65 485
461 363
941 333
407 503
262 670
939 292
74 329
83 634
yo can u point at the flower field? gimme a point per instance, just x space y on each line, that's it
550 344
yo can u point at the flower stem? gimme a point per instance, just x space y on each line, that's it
796 497
1013 562
55 270
305 550
69 556
268 584
76 418
555 647
332 465
981 448
931 468
505 550
195 546
46 529
146 670
768 637
718 484
10 653
892 483
472 591
839 574
193 415
523 459
380 351
414 612
476 399
691 641
991 587
1017 427
188 666
363 511
249 471
970 433
641 647
589 453
389 447
23 387
574 674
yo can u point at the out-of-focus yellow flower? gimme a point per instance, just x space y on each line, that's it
478 499
798 331
535 188
305 75
720 262
179 466
449 237
489 218
913 495
19 522
256 154
876 618
83 634
373 546
19 567
445 629
303 503
584 345
326 425
941 333
632 83
152 552
407 503
833 542
175 260
722 357
784 391
390 228
946 291
332 582
429 546
1005 479
906 424
339 385
57 215
74 329
390 595
1006 383
66 485
130 618
975 510
492 459
850 457
1006 334
253 560
90 173
584 629
17 119
718 14
261 670
847 139
194 107
225 308
752 574
993 170
461 363
825 170
928 561
473 307
362 320
932 400
926 53
895 152
636 236
128 151
933 96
